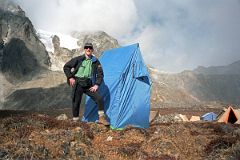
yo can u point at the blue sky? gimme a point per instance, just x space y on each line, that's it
174 35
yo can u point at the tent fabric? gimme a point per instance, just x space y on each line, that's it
230 116
125 89
209 116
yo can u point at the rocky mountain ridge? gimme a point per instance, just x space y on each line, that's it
231 69
188 88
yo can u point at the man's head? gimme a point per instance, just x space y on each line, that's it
88 49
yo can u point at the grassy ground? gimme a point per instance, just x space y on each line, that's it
28 135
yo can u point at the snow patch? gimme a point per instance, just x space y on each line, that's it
66 41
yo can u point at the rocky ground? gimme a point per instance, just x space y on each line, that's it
28 135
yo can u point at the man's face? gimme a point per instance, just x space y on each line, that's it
88 51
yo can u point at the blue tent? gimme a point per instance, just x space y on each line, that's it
209 116
126 89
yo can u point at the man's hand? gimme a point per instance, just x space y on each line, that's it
94 88
72 82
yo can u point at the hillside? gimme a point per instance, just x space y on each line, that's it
27 135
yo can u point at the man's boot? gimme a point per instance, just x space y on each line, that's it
75 119
103 119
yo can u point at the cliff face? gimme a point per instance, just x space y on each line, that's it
22 53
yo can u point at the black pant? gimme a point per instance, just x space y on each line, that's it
76 100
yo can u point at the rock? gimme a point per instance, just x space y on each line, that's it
80 152
237 133
56 44
62 117
3 153
110 138
65 148
170 118
73 144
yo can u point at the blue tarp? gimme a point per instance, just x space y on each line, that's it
209 116
126 89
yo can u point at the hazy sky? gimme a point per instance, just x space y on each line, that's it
174 35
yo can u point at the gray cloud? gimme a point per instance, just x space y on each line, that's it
173 35
82 15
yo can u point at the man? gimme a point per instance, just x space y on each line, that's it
84 74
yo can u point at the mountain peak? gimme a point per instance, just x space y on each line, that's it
9 6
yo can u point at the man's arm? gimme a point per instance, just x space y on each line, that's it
68 66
